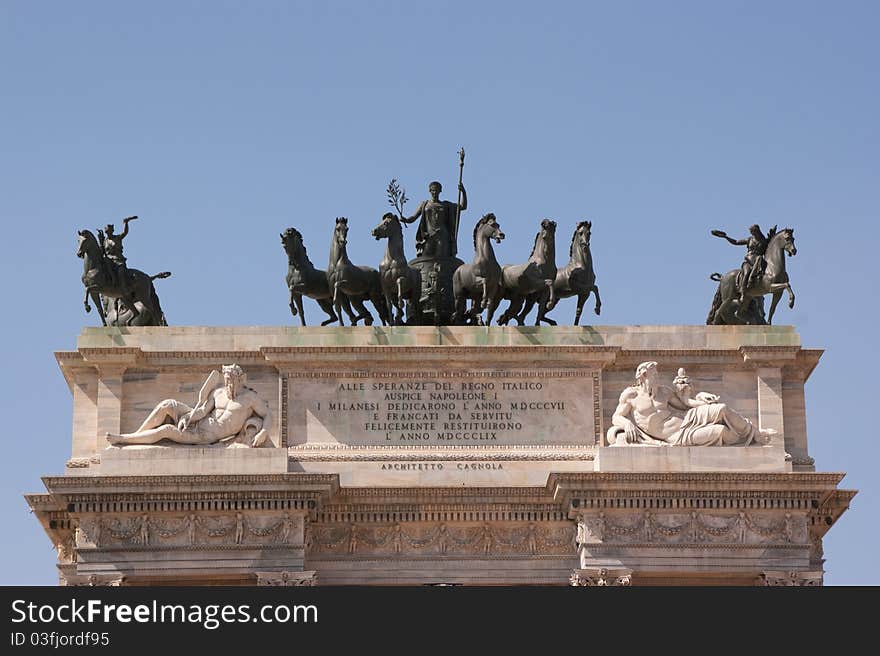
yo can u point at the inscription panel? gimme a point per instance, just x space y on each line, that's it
474 408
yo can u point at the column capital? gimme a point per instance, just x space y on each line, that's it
790 578
287 579
601 576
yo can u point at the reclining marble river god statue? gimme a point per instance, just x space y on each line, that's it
644 415
227 411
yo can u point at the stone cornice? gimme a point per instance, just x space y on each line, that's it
769 355
291 357
832 506
325 485
72 363
807 360
566 486
775 480
43 502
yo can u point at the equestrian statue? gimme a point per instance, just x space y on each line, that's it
123 296
739 297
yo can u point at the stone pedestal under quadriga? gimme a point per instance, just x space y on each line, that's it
421 455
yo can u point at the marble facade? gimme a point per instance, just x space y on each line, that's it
450 455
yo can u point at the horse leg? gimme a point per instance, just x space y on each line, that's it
327 306
389 305
780 286
299 306
363 312
377 298
86 300
475 314
551 302
521 317
598 309
494 302
96 299
504 318
292 302
515 310
401 315
512 310
582 298
776 297
484 296
483 302
544 308
460 305
337 304
346 305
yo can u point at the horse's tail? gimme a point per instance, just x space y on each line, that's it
157 307
716 277
716 303
158 276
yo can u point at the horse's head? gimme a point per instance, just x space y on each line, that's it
545 240
388 226
291 237
488 227
86 242
292 241
788 236
781 240
581 237
340 232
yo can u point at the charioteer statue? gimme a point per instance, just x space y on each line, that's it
436 247
437 234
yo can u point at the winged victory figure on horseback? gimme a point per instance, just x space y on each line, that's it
738 299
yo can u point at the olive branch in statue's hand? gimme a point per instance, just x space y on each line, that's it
397 198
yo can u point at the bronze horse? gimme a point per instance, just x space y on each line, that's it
401 284
479 281
357 283
303 279
534 278
577 278
136 297
773 280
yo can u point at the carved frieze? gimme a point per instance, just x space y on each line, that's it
487 539
166 530
692 527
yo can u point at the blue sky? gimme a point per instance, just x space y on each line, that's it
222 123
